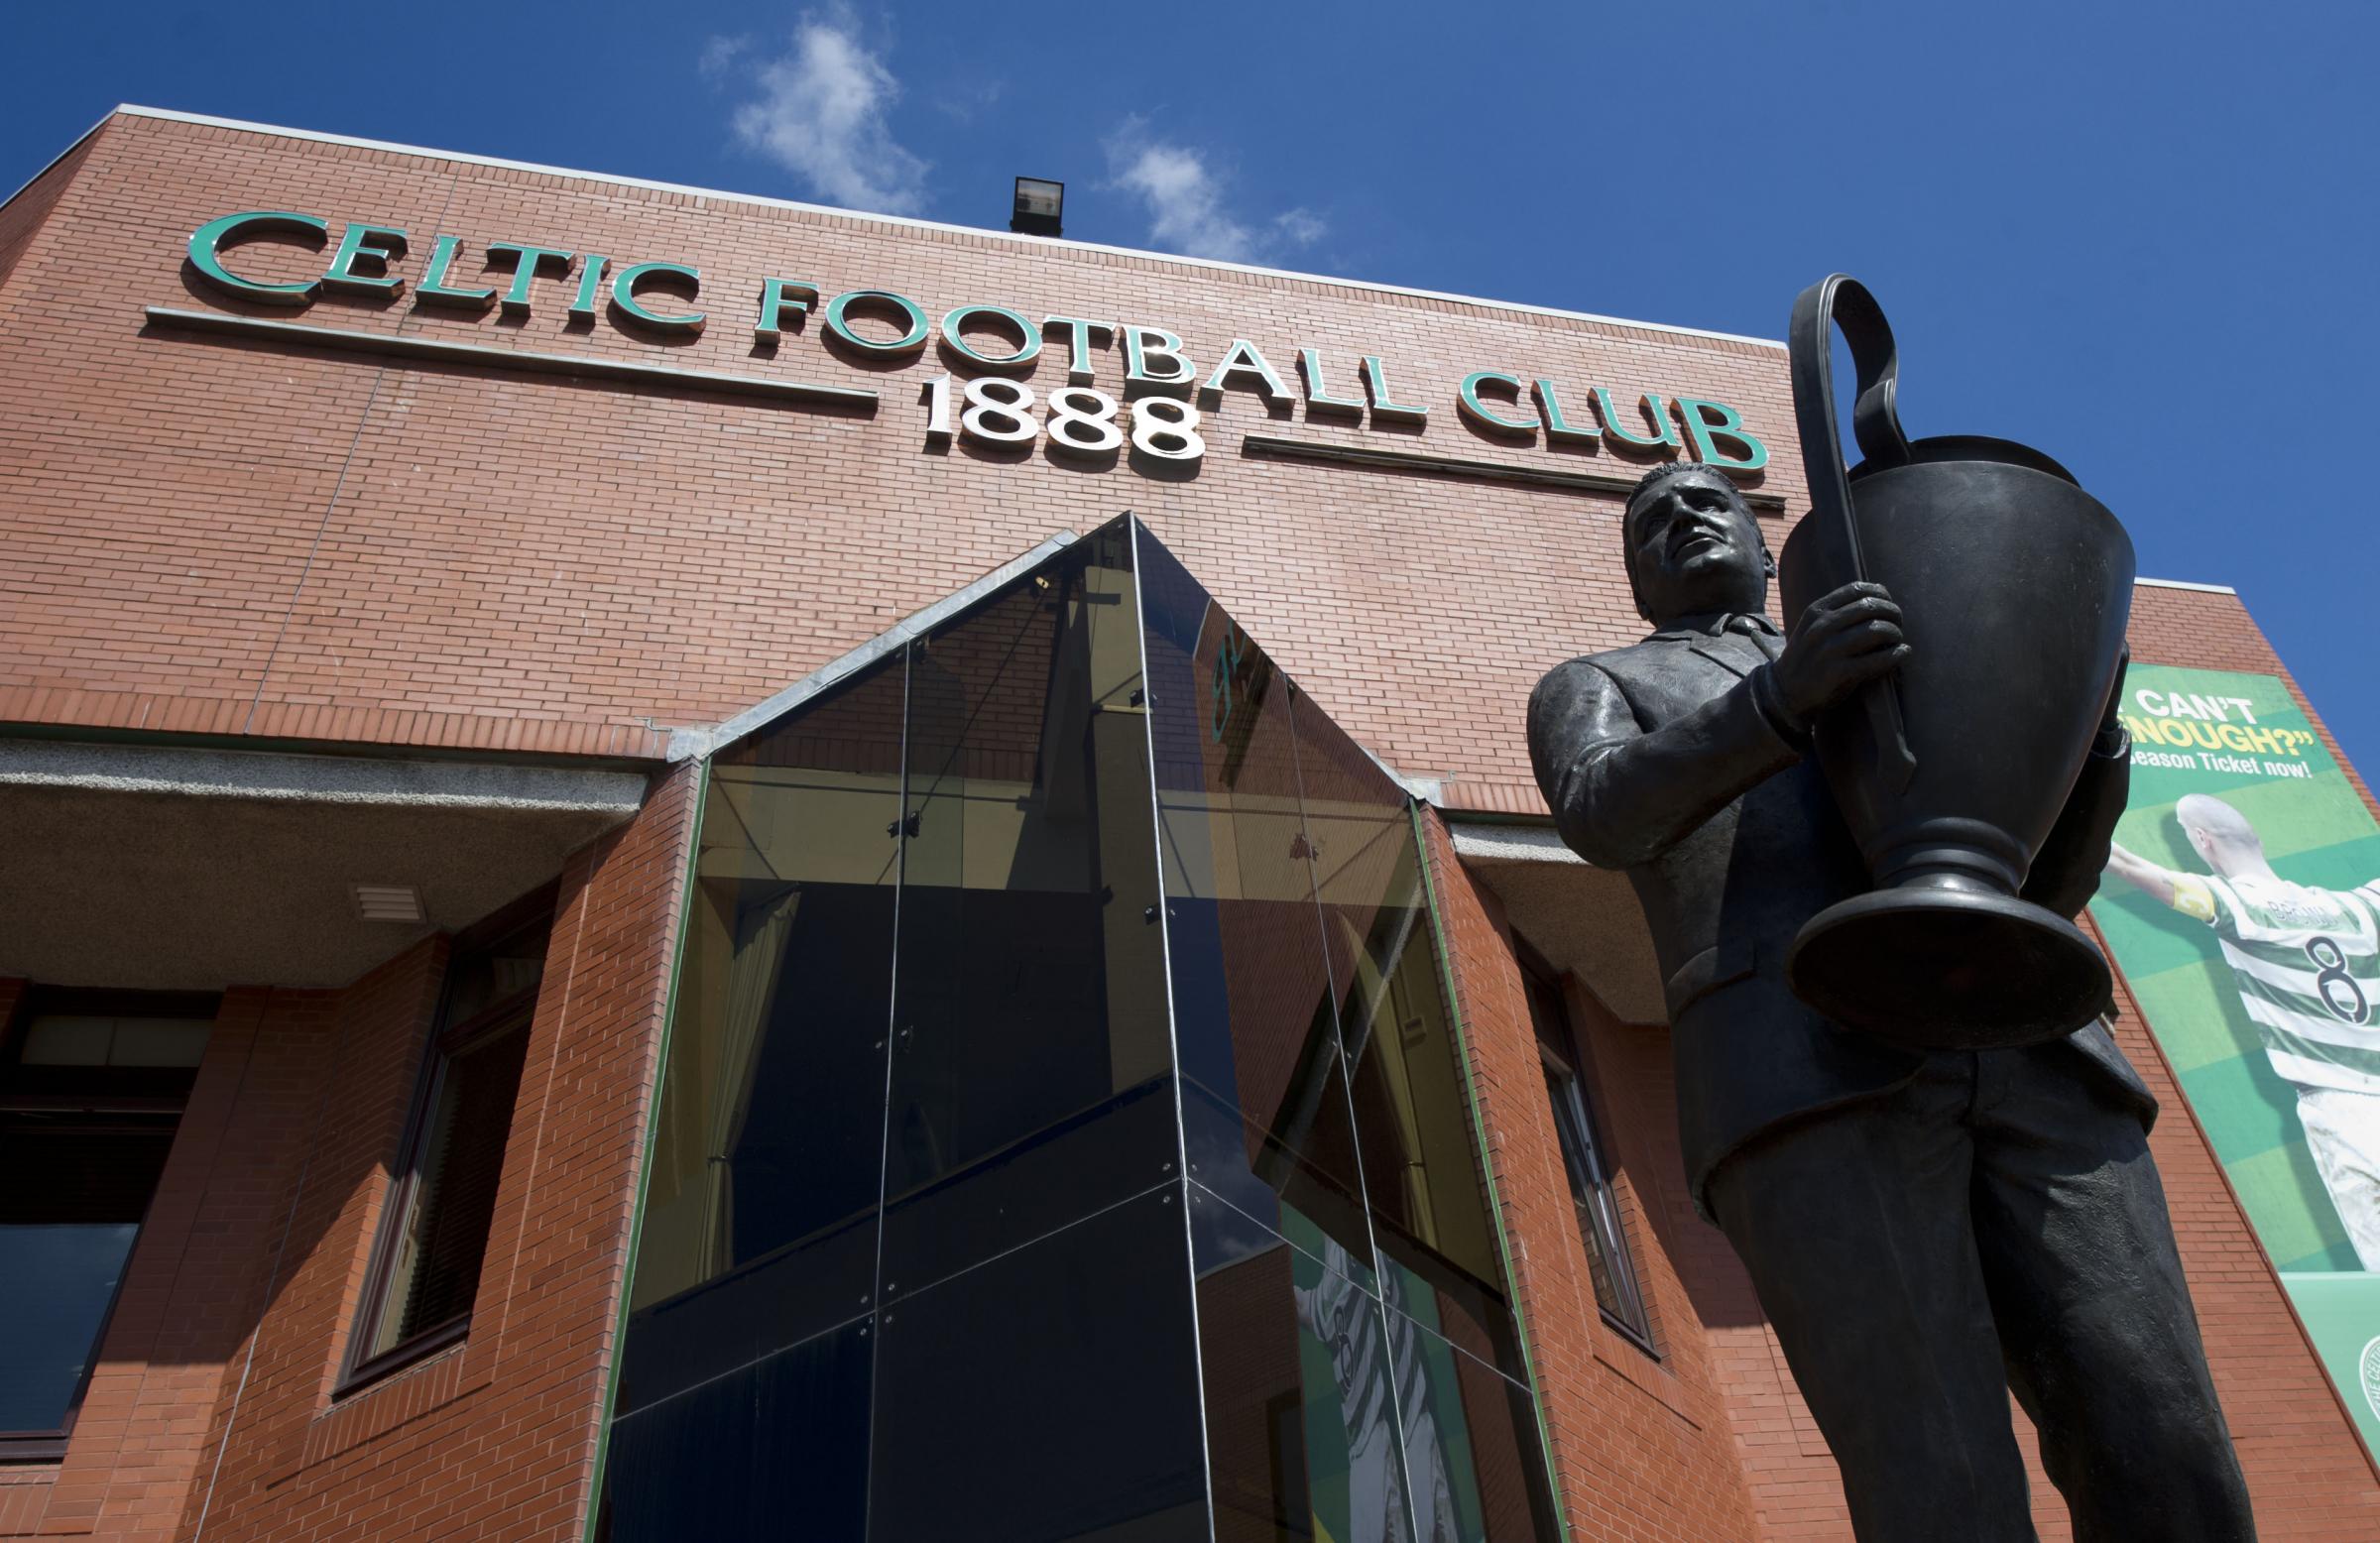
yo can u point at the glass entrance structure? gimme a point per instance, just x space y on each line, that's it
1063 1130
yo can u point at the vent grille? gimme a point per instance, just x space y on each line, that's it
386 902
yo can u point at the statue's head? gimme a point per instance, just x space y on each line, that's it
2219 834
1692 546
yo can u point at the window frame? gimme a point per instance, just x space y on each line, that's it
511 1014
1561 1063
36 1002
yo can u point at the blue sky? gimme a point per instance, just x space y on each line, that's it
2141 237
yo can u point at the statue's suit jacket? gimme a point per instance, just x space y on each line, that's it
1659 759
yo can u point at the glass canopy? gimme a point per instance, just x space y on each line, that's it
1062 1132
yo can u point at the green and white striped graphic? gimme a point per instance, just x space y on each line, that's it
2306 963
2253 988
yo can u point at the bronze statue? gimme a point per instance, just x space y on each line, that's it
1950 774
1926 1229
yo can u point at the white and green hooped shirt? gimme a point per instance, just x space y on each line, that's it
2307 965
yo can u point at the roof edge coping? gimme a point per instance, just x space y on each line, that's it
166 114
693 742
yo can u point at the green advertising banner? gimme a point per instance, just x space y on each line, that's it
2243 903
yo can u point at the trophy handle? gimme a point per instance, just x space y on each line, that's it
1842 300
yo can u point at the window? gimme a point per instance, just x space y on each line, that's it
91 1089
426 1264
1607 1261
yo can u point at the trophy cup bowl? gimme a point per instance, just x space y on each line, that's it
2014 586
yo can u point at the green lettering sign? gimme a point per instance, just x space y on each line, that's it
526 260
1028 338
1656 414
1708 422
208 240
372 245
637 275
434 285
913 323
1468 399
780 297
1081 334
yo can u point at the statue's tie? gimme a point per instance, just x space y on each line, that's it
1764 637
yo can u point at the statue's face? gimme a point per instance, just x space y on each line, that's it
1694 548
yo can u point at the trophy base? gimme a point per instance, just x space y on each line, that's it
1947 969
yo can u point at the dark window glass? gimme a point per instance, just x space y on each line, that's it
1032 1072
1608 1265
91 1089
437 1265
766 1449
767 1143
426 1268
1266 1101
743 1391
1390 1415
1048 1393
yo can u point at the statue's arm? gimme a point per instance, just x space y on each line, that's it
2066 872
1623 793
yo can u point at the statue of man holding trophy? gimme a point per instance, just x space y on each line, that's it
1896 1093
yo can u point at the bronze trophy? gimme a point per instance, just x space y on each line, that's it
2015 586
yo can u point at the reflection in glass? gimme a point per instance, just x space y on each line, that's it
1032 1063
1253 1006
916 1257
770 1122
1049 1393
1422 1171
1472 1446
1331 1413
60 1279
766 1449
91 1097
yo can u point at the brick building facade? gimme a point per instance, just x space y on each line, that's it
319 588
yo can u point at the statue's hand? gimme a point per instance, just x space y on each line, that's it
1846 639
2111 725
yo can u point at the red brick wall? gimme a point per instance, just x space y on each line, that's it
1642 1449
235 537
494 1438
210 1412
22 219
244 539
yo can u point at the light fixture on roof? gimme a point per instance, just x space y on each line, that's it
386 902
1039 205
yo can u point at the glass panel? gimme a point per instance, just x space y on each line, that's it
1324 1411
54 1296
86 1039
1050 1393
1472 1445
743 1392
435 1273
503 967
1030 1080
160 1041
1267 1098
1608 1263
766 1148
770 1448
1421 1156
68 1216
68 1039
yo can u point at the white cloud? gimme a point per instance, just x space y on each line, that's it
719 56
821 113
1300 227
1186 207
